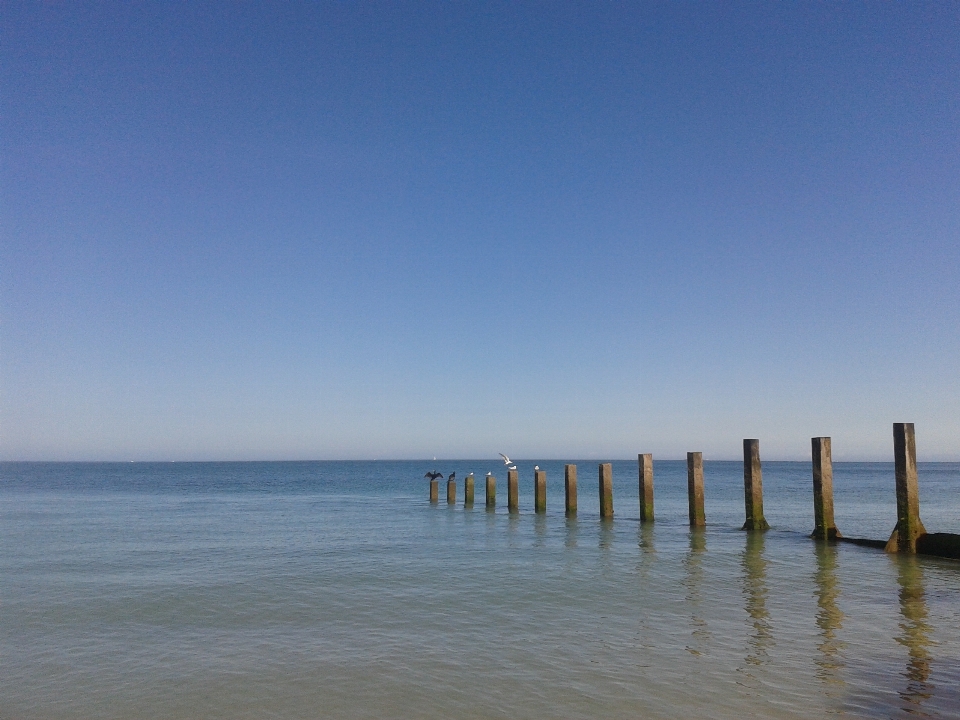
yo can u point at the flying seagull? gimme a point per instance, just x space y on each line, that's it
508 462
433 475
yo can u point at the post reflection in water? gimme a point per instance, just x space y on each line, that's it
755 597
829 616
571 538
513 528
539 530
645 538
645 541
606 534
914 632
693 563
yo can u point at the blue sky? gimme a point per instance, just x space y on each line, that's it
338 230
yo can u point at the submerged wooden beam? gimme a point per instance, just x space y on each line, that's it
491 492
513 491
468 486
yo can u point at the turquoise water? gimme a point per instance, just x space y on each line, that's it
304 590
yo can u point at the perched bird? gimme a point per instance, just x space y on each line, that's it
489 474
536 467
433 475
452 476
508 462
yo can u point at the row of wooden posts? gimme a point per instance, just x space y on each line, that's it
903 539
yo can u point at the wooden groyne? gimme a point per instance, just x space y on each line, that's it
570 489
645 477
909 534
698 517
824 526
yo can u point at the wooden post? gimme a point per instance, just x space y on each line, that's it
645 468
570 488
491 492
540 491
753 487
468 491
824 526
909 527
434 491
513 491
695 489
606 490
451 491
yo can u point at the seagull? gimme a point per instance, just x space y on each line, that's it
433 475
536 467
489 474
508 462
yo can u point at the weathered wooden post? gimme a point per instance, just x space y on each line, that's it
539 491
909 527
451 490
513 491
570 488
695 489
606 490
468 491
753 487
491 492
824 526
434 491
645 472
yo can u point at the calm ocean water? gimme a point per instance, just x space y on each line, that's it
308 590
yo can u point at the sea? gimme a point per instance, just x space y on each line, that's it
337 590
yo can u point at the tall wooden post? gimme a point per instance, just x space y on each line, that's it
491 492
909 527
695 489
570 488
645 473
753 487
824 526
540 491
451 491
606 490
434 491
513 491
468 491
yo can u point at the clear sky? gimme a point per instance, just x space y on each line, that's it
403 230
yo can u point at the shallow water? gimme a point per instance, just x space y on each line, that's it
299 590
